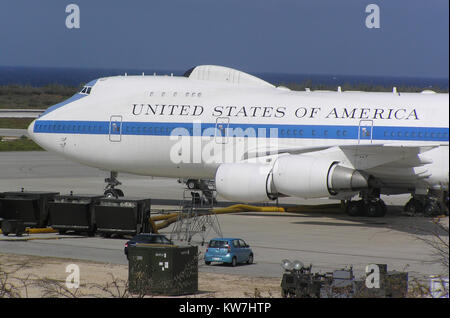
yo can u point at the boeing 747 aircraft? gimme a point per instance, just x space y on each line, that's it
256 141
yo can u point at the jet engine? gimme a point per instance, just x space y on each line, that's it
302 176
315 177
244 182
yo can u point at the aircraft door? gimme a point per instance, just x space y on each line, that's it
115 128
365 132
222 125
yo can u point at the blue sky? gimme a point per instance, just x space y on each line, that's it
281 36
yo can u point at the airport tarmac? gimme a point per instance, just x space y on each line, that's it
8 132
326 240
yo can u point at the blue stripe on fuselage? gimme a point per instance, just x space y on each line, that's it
241 130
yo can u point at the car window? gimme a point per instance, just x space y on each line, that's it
242 243
217 244
235 243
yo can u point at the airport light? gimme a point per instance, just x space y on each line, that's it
287 264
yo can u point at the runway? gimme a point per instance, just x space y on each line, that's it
13 132
326 240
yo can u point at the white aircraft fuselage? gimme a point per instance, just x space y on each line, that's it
187 127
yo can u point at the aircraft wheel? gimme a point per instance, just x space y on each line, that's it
354 208
413 206
192 184
113 193
432 208
371 209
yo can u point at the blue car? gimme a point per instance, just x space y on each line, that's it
228 250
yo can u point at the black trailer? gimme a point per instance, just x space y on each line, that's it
73 213
13 226
30 207
123 216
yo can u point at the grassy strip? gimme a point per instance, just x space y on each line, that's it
16 96
21 144
15 123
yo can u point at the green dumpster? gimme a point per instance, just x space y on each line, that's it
154 270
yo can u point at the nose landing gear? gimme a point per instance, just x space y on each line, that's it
205 187
112 182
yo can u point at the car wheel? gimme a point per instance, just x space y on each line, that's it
207 263
250 259
234 261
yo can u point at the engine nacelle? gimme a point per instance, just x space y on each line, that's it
302 176
243 182
309 176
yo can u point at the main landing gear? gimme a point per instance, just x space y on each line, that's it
370 205
428 205
112 182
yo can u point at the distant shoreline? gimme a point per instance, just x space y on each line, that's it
43 76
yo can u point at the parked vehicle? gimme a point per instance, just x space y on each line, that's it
228 250
147 239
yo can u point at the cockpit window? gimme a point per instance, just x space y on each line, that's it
86 90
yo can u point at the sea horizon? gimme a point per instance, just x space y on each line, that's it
76 76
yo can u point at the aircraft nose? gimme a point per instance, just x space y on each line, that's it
31 130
